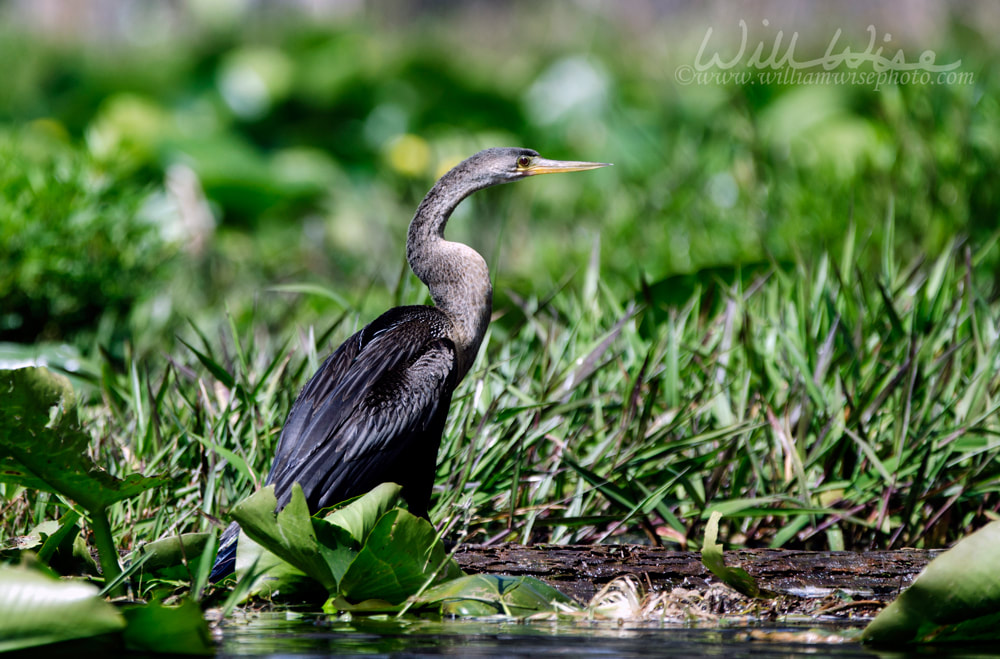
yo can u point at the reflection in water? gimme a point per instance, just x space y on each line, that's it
286 635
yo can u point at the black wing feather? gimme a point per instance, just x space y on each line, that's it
291 447
375 397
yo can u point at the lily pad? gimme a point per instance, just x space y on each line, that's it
43 447
290 535
491 594
163 629
360 515
37 609
273 578
401 554
955 598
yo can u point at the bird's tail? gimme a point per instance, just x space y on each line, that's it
225 559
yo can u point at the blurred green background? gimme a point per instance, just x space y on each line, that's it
167 163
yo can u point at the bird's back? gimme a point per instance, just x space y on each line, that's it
380 398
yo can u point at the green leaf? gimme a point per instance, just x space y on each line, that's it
955 598
280 551
263 574
338 547
337 605
61 539
168 629
36 609
288 534
402 553
492 594
711 556
214 367
312 289
200 575
38 535
167 557
604 485
83 561
359 516
43 447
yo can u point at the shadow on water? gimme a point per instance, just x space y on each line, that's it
281 635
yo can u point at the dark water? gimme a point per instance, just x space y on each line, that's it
280 635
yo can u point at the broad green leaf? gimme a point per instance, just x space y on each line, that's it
168 629
338 546
402 553
31 393
359 516
955 598
43 447
36 609
292 544
711 556
288 534
492 594
271 577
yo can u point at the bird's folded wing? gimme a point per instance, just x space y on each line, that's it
361 411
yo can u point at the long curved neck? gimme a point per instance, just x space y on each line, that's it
455 274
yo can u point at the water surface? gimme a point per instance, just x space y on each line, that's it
294 635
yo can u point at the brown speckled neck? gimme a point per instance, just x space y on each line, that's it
455 274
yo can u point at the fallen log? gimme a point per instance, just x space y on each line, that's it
581 571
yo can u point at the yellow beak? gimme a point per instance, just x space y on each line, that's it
545 166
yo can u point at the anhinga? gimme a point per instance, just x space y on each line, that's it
375 410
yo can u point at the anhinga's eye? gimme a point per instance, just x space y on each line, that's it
524 161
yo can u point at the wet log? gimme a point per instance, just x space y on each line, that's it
580 571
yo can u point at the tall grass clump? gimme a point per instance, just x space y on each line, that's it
816 406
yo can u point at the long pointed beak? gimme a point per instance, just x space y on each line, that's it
546 166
